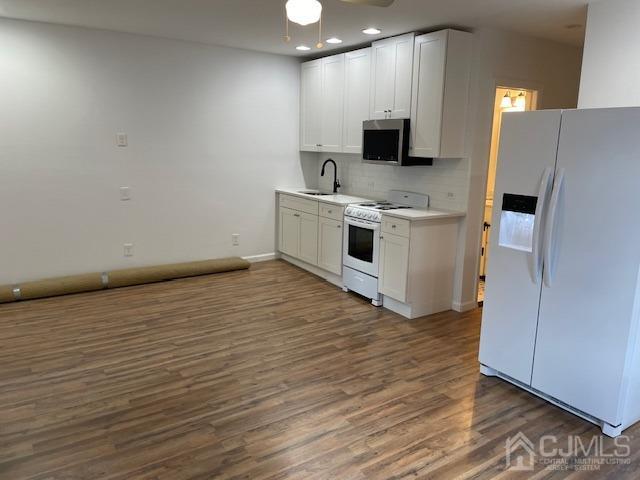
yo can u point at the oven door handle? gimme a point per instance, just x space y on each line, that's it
362 223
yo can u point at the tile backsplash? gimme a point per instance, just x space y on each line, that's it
446 182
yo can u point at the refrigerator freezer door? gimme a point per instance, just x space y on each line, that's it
526 160
585 322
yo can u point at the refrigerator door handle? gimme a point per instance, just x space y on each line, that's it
543 193
549 269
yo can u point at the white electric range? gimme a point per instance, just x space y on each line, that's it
362 240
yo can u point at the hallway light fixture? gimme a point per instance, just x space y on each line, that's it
506 101
521 101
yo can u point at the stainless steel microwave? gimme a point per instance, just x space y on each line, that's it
386 142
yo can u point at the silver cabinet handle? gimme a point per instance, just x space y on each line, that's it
339 226
393 226
329 211
296 214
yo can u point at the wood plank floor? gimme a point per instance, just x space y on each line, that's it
269 373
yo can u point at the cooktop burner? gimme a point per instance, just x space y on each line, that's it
383 206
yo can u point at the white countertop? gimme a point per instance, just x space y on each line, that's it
416 214
334 199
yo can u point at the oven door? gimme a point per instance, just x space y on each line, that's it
361 245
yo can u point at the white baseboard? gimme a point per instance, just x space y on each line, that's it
264 257
465 306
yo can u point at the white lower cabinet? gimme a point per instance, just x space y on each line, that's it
299 235
394 266
309 238
417 263
289 237
311 231
330 245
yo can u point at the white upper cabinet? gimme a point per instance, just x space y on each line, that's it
441 69
424 78
322 104
310 104
357 79
332 103
391 72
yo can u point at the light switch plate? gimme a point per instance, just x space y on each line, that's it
128 249
125 193
122 140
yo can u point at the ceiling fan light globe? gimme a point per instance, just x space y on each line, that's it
304 12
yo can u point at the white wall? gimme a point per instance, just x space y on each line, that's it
500 58
211 130
611 63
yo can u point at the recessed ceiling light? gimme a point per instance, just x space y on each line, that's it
371 31
303 48
334 40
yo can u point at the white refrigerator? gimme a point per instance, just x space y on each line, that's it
562 301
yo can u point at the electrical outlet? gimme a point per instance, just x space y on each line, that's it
451 195
235 239
125 193
122 140
128 249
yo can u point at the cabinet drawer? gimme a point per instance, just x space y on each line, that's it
397 226
331 211
300 204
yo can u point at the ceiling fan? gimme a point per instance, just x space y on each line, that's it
307 12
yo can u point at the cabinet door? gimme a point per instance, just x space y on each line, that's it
330 245
308 250
403 71
394 266
310 106
332 106
356 98
289 239
383 59
428 92
391 72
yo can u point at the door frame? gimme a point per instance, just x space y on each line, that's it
498 82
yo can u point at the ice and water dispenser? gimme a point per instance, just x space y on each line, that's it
517 220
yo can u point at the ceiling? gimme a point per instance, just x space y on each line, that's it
259 25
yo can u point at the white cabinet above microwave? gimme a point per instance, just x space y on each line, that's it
391 70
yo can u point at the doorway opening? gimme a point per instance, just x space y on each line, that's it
507 99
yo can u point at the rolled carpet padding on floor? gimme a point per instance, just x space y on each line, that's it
118 278
6 294
52 287
138 276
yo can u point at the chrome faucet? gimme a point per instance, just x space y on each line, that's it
336 183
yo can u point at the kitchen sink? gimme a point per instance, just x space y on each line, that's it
318 194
